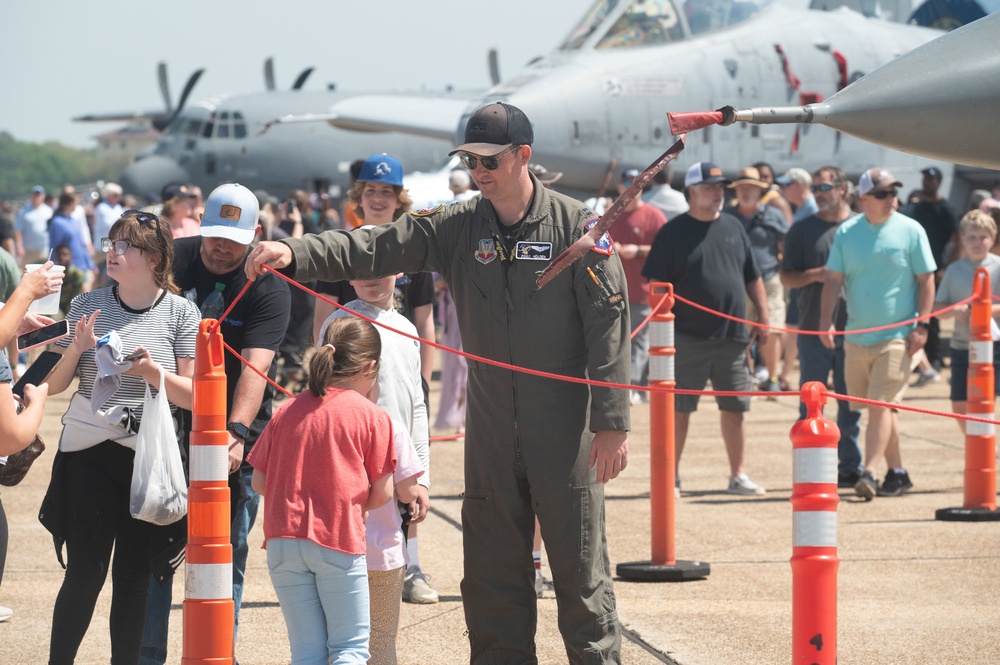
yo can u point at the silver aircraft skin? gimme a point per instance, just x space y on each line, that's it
598 103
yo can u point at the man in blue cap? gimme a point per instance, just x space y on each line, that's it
707 256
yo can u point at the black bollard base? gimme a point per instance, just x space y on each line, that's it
646 571
967 515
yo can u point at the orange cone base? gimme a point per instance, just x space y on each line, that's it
967 515
647 571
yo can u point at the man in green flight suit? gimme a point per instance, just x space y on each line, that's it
534 446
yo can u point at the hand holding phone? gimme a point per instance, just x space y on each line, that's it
44 335
135 355
37 373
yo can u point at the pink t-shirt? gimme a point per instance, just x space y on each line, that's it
386 549
638 227
320 455
189 227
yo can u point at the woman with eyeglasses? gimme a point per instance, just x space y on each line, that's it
87 503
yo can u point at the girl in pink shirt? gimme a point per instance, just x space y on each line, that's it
325 459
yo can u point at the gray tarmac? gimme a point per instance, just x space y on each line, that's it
911 589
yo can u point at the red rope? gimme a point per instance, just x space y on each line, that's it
822 332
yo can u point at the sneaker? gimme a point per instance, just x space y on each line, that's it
771 386
542 584
742 485
635 398
677 486
760 376
895 483
925 378
849 479
417 589
5 613
866 487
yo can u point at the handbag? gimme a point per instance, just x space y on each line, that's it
159 490
18 464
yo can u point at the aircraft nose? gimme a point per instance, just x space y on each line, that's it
150 174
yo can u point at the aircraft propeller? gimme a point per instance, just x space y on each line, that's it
493 60
163 122
269 83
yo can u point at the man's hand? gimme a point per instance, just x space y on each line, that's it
916 340
32 321
826 338
609 454
763 333
40 282
276 255
419 508
235 452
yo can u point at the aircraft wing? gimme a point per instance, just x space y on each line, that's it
121 116
434 117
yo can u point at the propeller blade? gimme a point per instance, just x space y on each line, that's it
493 58
269 74
188 87
301 80
161 75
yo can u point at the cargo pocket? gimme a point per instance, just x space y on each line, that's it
608 301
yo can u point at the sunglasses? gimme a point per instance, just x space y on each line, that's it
146 219
489 163
825 187
881 196
120 247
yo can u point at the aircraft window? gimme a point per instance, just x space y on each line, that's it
222 131
192 128
586 27
206 131
224 115
710 15
645 22
239 130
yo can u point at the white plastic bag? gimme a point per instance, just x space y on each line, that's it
159 491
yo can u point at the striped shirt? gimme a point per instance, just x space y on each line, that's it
167 330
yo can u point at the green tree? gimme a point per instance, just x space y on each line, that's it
52 164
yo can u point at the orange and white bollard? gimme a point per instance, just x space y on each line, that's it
664 566
208 584
814 532
980 500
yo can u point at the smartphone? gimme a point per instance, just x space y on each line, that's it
37 372
44 335
135 355
291 205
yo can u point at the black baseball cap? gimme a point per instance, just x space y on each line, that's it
494 128
933 172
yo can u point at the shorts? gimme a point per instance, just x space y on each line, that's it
879 371
722 361
775 303
960 373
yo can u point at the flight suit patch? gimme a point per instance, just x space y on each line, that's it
603 245
533 251
426 212
487 251
614 298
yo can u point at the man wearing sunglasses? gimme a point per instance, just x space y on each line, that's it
883 262
803 268
534 446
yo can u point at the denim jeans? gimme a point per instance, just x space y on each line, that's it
323 595
158 599
640 343
815 364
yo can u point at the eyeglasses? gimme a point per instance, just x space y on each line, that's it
886 194
489 163
120 246
147 219
824 187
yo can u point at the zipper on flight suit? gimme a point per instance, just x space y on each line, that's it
507 261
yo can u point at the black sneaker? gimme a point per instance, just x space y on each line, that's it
849 479
895 483
866 487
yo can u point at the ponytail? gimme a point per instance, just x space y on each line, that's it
350 345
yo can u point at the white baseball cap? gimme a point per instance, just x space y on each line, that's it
231 213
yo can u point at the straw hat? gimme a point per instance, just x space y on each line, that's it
749 176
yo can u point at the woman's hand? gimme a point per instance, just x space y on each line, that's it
32 321
34 394
83 333
145 367
40 282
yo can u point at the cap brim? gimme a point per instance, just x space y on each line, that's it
481 149
239 236
755 183
713 180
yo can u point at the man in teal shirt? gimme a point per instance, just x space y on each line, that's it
883 262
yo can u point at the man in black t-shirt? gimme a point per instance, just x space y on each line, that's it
255 329
707 257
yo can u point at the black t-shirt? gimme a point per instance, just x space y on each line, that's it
258 321
807 246
938 221
710 263
412 291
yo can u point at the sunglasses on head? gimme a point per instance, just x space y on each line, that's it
146 219
489 163
824 187
881 196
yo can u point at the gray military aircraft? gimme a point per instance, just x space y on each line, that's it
599 102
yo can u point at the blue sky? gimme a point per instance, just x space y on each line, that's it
66 58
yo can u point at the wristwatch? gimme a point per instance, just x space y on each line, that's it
239 430
923 325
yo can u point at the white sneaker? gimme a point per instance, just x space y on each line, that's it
742 485
760 376
542 584
417 589
635 398
5 613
